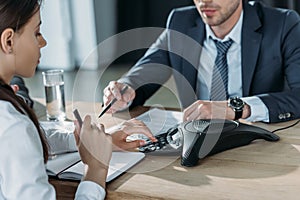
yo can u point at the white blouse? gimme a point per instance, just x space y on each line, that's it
22 168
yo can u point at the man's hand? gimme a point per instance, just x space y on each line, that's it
15 88
113 91
212 110
208 110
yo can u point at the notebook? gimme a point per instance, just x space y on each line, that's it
69 166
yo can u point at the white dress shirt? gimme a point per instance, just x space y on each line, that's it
22 168
259 111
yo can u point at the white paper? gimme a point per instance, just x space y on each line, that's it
158 121
60 162
119 163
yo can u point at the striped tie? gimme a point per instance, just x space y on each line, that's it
219 84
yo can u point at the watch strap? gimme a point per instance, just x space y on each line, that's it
238 114
237 106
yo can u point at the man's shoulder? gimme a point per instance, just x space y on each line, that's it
272 13
187 10
183 17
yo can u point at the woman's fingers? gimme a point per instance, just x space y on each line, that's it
135 126
132 144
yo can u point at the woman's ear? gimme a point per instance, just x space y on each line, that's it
7 40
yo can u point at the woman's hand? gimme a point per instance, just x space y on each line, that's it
128 128
95 149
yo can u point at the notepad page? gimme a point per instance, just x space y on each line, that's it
60 162
119 163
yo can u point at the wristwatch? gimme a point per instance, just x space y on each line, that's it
237 106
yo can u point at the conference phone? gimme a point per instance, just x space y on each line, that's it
200 138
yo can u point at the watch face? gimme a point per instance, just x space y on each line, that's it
237 103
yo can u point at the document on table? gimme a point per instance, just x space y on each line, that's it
68 166
159 120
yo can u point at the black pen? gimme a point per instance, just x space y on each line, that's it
112 102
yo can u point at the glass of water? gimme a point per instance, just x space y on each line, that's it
55 95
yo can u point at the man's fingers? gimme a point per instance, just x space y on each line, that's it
115 90
191 112
129 95
119 105
15 88
187 112
194 115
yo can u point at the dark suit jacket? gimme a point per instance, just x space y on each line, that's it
23 92
270 59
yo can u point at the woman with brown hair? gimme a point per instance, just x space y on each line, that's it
23 147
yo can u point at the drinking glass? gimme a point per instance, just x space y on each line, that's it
55 96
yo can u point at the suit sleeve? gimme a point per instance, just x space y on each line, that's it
23 91
285 105
152 70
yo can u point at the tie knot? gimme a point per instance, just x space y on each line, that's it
223 47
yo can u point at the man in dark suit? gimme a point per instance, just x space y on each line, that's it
18 85
262 63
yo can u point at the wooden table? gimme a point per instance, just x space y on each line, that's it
261 170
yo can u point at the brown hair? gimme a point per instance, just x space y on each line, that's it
15 14
7 94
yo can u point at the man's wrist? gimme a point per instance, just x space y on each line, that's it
237 105
246 111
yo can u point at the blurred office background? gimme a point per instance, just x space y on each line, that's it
74 28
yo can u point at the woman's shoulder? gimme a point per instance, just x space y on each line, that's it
11 117
17 128
9 111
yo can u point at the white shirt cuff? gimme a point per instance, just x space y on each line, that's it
89 190
259 111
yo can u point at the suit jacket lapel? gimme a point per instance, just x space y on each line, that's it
251 40
192 52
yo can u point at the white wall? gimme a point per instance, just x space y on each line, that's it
69 28
106 19
84 34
